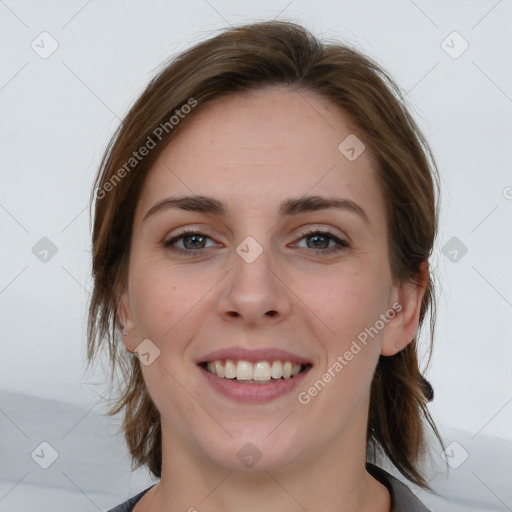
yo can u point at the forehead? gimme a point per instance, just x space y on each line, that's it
261 146
269 122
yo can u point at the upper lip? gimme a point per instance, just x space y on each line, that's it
252 355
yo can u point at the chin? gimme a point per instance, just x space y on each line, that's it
252 454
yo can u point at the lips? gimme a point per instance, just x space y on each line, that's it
255 385
253 391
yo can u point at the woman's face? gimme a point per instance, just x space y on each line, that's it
253 282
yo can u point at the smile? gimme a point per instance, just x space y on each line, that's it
260 372
260 381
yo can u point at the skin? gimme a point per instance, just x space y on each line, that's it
253 151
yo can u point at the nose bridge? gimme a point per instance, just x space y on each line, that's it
252 266
253 290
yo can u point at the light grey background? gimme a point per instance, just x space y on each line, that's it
56 116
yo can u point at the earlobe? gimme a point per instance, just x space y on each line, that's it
402 329
125 322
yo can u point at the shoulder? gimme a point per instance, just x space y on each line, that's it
128 505
401 495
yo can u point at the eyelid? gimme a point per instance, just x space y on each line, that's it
324 228
183 234
342 243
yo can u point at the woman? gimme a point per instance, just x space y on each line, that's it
264 218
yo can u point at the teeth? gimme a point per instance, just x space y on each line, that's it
229 370
277 370
219 369
287 370
260 371
212 368
244 370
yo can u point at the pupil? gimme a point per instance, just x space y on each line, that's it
192 237
317 237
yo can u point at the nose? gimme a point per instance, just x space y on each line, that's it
255 293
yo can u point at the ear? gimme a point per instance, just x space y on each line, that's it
125 322
405 301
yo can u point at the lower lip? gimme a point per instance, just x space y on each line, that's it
254 392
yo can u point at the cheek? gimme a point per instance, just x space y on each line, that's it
348 302
347 308
159 300
154 308
346 312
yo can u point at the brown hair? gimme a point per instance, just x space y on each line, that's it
242 59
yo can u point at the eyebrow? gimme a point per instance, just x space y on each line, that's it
289 207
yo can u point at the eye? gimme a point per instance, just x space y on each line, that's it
320 241
193 241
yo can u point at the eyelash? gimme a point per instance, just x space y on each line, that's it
341 244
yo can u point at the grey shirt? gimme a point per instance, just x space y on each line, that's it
402 498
